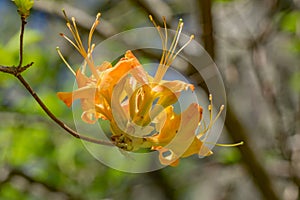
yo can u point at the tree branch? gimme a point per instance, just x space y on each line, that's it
233 125
207 26
16 71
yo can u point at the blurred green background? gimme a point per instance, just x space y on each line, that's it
256 45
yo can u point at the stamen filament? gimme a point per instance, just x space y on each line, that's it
78 42
69 40
212 121
74 36
77 36
176 42
173 42
159 31
65 15
67 64
166 32
226 145
96 23
187 43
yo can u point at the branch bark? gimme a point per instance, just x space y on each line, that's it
207 26
235 128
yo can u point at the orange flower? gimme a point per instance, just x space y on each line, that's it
139 107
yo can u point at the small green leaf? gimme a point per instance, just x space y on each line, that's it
24 7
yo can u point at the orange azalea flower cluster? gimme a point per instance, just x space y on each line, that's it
138 106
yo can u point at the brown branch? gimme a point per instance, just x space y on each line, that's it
23 23
56 120
207 26
16 71
254 167
233 125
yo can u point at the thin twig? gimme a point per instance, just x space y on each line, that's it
23 23
55 119
16 71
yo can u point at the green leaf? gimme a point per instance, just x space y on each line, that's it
24 7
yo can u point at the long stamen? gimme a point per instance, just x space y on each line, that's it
180 23
176 42
65 15
166 33
168 56
187 43
211 120
159 31
226 145
78 42
67 64
90 53
165 44
77 37
79 48
69 40
164 47
96 23
74 33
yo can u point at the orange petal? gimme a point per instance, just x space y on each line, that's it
87 92
66 97
113 75
81 79
140 74
129 55
104 66
166 96
166 156
169 128
197 147
178 86
89 116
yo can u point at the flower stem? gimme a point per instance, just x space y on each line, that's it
23 23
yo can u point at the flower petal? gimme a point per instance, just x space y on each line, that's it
197 147
166 156
177 86
66 97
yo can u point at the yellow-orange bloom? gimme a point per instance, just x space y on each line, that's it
138 106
